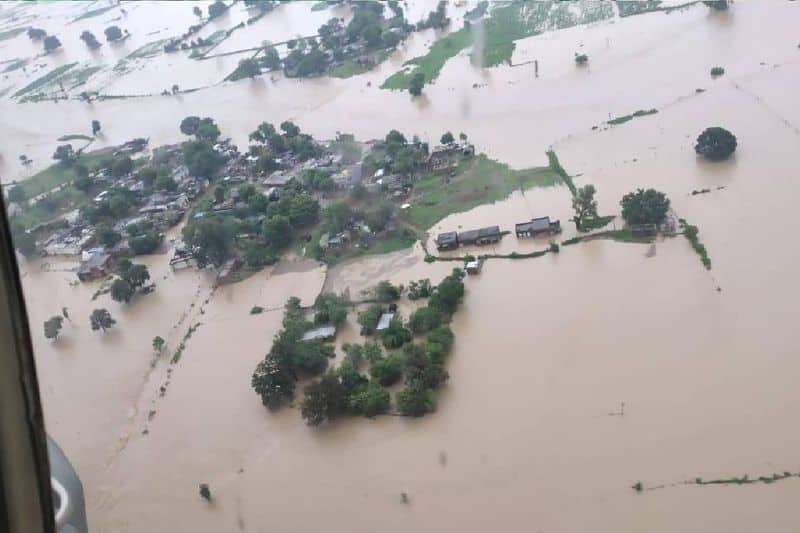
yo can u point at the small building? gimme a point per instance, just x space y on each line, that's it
643 230
447 241
473 267
98 265
324 333
278 179
384 321
482 236
538 226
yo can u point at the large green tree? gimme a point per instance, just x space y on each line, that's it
52 326
101 319
584 204
716 144
324 400
211 240
645 207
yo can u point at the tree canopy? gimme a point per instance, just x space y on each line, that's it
645 207
51 43
52 326
584 204
417 83
113 33
101 319
210 239
716 144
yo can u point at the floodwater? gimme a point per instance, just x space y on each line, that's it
546 348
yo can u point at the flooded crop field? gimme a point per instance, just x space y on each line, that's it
530 432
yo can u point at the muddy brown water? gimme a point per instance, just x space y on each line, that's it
545 348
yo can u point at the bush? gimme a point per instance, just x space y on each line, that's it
716 144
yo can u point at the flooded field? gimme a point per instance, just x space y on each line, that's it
525 436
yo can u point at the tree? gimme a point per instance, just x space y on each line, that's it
144 244
107 236
584 204
324 400
424 320
101 319
716 144
273 382
90 40
219 194
387 371
135 275
23 241
370 401
462 136
207 130
158 344
719 5
266 163
64 153
210 240
336 217
36 34
448 293
122 166
121 291
198 13
290 129
644 207
51 43
419 289
368 319
201 159
377 219
216 9
330 309
113 33
52 327
396 335
189 125
270 58
95 127
447 138
581 59
277 231
205 492
415 399
17 194
385 292
247 68
416 83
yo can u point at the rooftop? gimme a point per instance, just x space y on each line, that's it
383 322
322 332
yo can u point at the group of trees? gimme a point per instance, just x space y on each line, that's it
50 42
98 319
269 143
132 277
403 156
436 19
290 357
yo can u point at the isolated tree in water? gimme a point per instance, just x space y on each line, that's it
416 84
196 10
584 204
51 43
90 40
716 144
121 291
52 327
64 153
101 319
644 207
95 127
205 492
717 4
447 138
158 343
113 33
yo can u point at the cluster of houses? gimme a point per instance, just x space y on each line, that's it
536 227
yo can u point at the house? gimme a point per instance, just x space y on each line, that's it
481 236
538 226
278 179
384 321
98 265
324 333
447 241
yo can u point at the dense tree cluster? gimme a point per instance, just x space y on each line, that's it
216 9
272 143
131 278
101 319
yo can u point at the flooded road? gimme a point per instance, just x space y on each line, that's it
545 348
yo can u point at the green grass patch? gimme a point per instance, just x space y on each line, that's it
58 174
478 181
13 32
626 118
93 13
555 166
75 137
431 63
590 224
15 64
148 50
45 80
350 68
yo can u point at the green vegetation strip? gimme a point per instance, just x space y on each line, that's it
350 68
93 13
478 181
690 232
15 64
75 137
626 118
431 63
48 78
10 34
555 166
